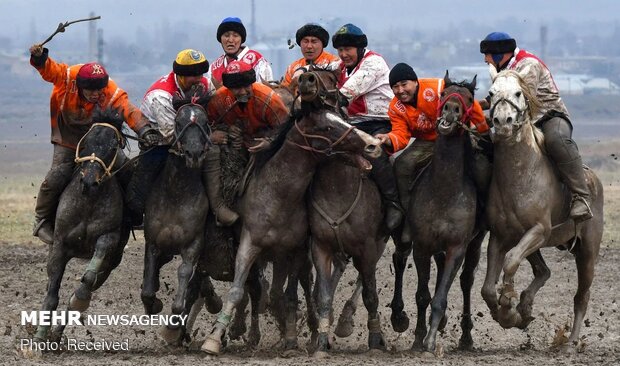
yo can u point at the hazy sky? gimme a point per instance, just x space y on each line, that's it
122 17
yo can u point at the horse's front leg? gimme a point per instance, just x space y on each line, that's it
541 275
246 255
323 264
56 264
472 257
344 327
422 298
399 318
367 268
495 260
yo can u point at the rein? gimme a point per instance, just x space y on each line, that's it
328 151
94 158
520 121
464 121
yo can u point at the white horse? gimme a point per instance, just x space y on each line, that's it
528 209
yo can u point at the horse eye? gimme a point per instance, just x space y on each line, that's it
491 94
518 94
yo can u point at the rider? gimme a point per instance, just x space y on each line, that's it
185 78
312 40
363 80
231 34
501 51
78 91
413 112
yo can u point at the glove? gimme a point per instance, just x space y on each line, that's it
150 137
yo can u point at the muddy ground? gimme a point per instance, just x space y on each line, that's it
23 278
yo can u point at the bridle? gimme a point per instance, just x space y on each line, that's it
177 148
519 121
323 94
94 158
329 150
464 121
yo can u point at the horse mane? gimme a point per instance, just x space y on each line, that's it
195 95
262 157
109 115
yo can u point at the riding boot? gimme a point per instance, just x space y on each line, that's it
123 177
383 174
141 182
573 176
212 175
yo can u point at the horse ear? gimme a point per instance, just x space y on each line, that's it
446 79
473 82
493 72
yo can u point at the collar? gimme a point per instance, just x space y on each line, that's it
513 59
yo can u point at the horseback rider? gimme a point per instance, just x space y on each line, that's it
501 51
312 40
78 91
231 34
413 112
185 79
363 80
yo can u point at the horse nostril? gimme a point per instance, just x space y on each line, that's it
311 78
509 120
495 121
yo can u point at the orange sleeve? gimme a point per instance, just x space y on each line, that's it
478 119
133 116
276 113
400 134
54 72
288 76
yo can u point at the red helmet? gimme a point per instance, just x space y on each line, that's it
238 74
92 76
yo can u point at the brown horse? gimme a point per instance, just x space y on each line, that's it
278 189
528 209
443 215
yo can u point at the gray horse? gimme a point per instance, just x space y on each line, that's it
273 208
89 220
528 209
176 210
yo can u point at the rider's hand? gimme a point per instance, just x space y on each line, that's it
36 50
484 104
384 138
150 137
219 137
262 144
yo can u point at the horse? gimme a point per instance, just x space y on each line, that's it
445 220
278 187
89 219
528 209
169 232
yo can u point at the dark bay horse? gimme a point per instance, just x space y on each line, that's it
89 220
176 210
528 209
444 217
273 208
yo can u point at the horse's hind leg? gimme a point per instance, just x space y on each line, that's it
585 257
306 280
255 290
56 264
422 298
472 257
294 267
541 275
399 319
276 294
367 271
454 259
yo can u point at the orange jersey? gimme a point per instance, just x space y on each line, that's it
71 115
420 121
323 61
264 109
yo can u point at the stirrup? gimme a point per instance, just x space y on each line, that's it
585 216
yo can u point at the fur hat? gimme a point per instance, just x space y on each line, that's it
190 62
497 43
313 30
349 35
231 24
92 76
238 74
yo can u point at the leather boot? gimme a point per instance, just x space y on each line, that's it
223 215
573 176
47 202
383 174
141 182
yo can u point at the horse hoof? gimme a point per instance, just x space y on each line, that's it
214 304
237 330
152 305
321 355
32 353
466 344
173 337
290 353
78 304
376 341
344 327
211 346
253 339
400 322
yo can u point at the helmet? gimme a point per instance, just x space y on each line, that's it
238 74
92 76
190 62
349 35
313 30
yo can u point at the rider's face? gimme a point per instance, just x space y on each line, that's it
405 90
311 47
186 82
231 42
348 55
243 93
488 58
92 95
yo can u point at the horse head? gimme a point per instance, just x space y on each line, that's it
96 151
191 129
318 88
455 105
512 105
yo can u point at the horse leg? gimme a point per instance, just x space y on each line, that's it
255 289
541 275
276 294
454 258
153 261
238 326
440 262
399 318
422 298
495 261
185 272
175 334
56 264
322 260
306 281
246 255
472 257
367 271
531 241
585 257
344 327
211 300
